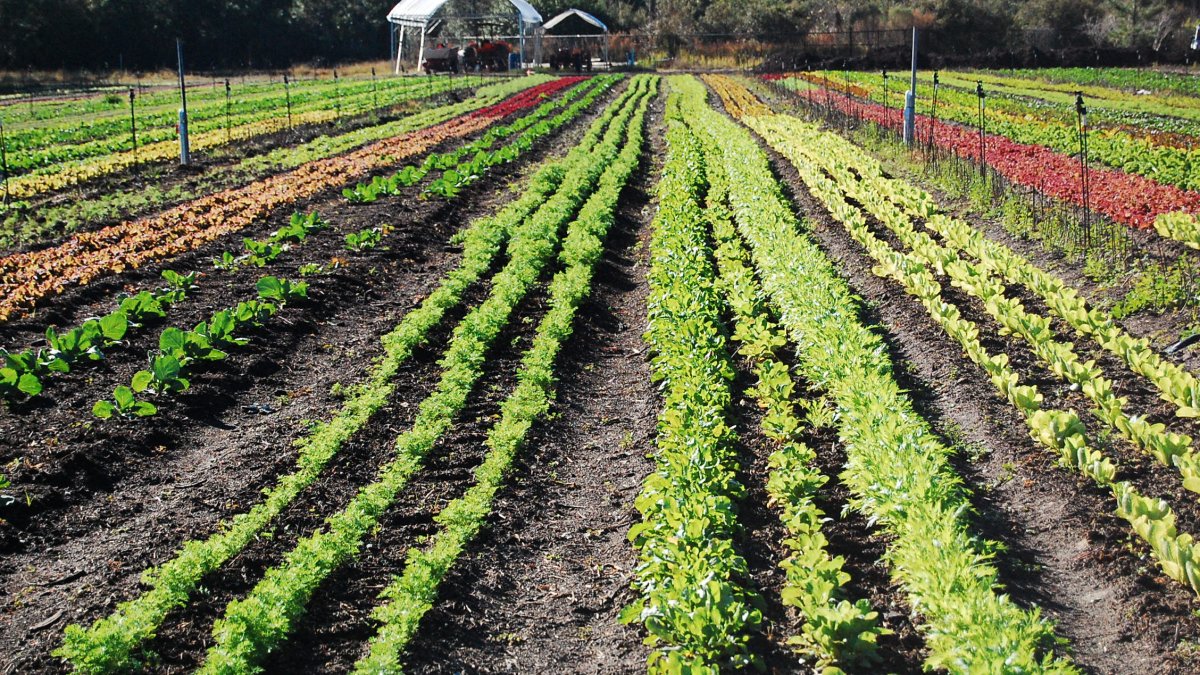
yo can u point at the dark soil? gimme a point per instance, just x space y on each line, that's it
101 501
1065 550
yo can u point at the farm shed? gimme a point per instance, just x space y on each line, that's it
575 28
428 19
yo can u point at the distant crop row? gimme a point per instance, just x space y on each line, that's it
25 278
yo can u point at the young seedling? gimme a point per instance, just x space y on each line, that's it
262 252
219 330
281 291
187 346
165 376
365 240
178 286
124 405
140 308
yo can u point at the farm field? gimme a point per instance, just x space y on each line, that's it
622 372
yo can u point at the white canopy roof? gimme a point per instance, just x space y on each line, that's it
578 13
419 12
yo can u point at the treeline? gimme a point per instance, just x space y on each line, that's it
140 34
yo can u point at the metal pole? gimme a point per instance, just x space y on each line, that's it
185 157
374 91
228 127
910 100
133 128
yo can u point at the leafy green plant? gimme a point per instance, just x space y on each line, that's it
262 253
227 261
187 346
123 404
178 285
365 239
219 330
254 312
299 227
165 376
448 186
281 291
15 384
140 308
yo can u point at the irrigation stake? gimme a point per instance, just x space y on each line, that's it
287 94
133 129
910 99
1085 182
4 160
337 96
933 113
982 111
374 95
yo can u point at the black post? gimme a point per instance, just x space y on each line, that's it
884 95
933 111
1084 178
133 129
982 142
337 96
374 94
4 161
287 95
228 127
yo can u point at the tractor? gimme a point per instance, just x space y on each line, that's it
577 58
487 55
442 59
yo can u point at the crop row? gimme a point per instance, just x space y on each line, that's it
24 373
99 161
80 110
24 222
550 197
811 152
690 579
458 172
27 277
1163 120
413 592
1126 198
1055 127
836 631
1127 79
898 473
47 152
